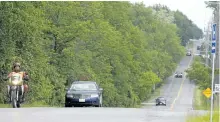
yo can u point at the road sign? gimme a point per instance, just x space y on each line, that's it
207 92
213 38
217 88
214 32
213 50
213 43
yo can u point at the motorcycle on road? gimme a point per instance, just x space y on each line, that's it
16 89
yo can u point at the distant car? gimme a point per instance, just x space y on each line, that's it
178 75
83 93
188 53
198 47
161 101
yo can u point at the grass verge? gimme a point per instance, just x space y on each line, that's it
200 101
205 118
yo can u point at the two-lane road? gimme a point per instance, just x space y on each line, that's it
179 95
177 91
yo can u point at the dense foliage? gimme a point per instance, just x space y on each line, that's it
125 47
186 28
200 73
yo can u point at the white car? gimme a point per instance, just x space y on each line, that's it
178 75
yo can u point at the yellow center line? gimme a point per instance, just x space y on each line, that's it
181 86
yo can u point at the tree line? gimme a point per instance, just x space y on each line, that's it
124 47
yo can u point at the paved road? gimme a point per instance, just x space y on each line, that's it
177 91
179 95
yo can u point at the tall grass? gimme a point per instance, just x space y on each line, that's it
205 118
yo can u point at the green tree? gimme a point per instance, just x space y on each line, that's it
200 74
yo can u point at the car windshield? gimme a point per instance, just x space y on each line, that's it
83 86
161 98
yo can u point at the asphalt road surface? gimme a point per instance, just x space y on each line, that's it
177 91
179 95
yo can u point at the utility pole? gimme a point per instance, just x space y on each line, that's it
214 38
218 35
216 20
218 54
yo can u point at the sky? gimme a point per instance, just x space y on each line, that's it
195 10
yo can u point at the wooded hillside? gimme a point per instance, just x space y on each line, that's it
124 47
